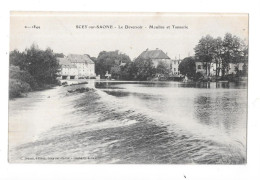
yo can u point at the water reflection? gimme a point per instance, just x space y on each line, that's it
161 84
221 111
219 106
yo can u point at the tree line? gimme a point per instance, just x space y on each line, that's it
35 68
32 69
121 67
222 52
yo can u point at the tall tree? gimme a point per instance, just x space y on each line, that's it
218 51
17 58
187 67
163 69
222 52
128 72
106 60
144 69
204 51
234 51
42 65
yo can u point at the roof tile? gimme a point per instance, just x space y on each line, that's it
77 58
153 54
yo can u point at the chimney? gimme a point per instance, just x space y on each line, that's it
147 49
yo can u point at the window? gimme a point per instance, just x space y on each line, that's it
174 62
174 69
199 66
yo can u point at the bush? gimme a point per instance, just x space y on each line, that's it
16 73
188 67
17 87
43 66
64 83
144 69
198 76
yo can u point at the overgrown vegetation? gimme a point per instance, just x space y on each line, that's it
106 60
32 69
121 67
187 67
230 49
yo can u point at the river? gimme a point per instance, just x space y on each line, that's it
131 122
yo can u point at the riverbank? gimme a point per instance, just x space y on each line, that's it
229 78
19 91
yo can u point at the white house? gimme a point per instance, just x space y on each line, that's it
85 66
68 70
175 66
76 66
232 67
158 55
200 67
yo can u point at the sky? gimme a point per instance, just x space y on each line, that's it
58 31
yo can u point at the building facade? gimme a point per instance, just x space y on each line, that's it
76 66
85 66
175 66
232 69
156 56
67 69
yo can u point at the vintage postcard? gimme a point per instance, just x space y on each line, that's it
128 88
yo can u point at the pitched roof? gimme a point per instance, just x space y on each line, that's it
153 54
77 58
66 63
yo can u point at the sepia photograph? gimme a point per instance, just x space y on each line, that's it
128 88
